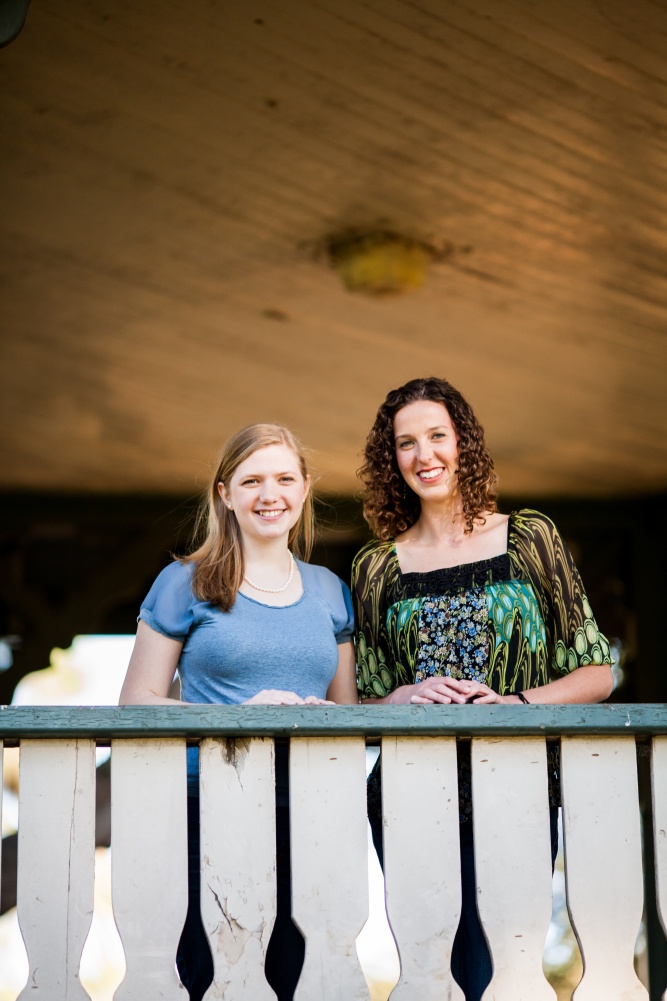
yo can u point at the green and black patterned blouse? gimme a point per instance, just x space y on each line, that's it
511 622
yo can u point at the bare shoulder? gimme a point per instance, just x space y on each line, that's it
407 536
490 538
495 522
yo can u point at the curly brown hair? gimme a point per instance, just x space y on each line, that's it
390 506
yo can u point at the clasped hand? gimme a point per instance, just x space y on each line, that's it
447 690
276 697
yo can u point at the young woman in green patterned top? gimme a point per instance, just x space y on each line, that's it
458 603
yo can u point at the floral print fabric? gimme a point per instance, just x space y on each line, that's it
454 636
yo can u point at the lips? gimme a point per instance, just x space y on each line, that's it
271 515
426 475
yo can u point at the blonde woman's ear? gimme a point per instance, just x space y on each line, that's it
223 494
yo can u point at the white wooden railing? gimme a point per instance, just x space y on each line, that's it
603 853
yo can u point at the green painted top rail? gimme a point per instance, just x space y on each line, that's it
106 722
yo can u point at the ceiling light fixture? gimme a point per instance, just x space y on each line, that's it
380 262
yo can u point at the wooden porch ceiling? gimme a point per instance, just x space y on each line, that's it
169 169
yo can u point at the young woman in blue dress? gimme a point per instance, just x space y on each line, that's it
245 620
456 602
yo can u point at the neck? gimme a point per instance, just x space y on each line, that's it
441 522
265 552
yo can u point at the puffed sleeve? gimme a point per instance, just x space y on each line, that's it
168 608
575 639
344 620
375 670
334 595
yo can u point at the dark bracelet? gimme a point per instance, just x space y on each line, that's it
523 698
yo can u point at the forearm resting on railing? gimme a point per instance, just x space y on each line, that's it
592 683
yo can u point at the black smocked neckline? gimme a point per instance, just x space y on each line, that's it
463 574
466 575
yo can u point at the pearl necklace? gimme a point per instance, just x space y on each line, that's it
275 590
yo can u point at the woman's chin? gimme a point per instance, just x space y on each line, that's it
436 492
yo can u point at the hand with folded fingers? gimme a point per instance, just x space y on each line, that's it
454 691
276 697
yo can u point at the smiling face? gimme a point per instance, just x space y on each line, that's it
427 450
266 492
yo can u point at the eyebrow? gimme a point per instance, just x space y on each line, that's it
285 472
436 427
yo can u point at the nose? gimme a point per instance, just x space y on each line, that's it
424 451
268 491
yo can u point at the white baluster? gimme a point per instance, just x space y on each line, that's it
659 787
603 862
56 863
421 862
149 863
513 862
329 863
238 849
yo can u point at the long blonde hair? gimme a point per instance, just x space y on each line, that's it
219 562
